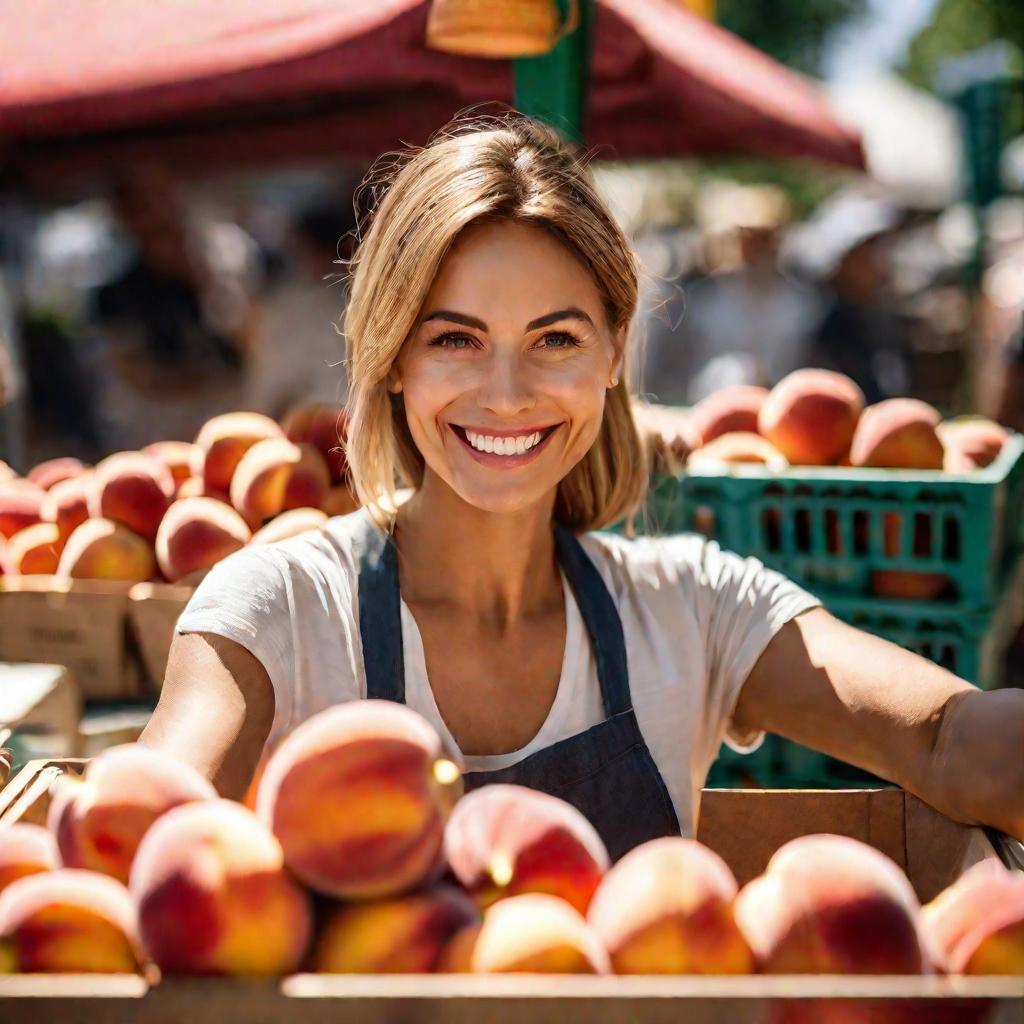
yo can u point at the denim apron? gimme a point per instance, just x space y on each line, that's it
606 772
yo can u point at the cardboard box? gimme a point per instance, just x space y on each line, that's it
82 624
153 613
746 827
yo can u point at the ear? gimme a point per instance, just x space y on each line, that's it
394 381
618 352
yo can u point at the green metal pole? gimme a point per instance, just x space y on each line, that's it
553 88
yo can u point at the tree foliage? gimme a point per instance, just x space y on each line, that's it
794 32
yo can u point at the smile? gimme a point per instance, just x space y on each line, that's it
503 449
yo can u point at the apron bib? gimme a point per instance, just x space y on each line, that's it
606 772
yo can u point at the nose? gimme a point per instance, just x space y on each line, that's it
505 387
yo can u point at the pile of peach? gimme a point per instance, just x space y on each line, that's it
818 418
358 859
174 509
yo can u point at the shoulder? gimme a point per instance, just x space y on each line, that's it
649 559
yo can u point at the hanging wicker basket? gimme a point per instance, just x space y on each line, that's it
499 28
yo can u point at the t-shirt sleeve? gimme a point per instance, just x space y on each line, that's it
245 598
747 604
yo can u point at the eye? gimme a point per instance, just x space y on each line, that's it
559 339
452 340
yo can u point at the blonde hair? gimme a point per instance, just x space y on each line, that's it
504 168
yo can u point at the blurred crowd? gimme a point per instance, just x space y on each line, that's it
149 308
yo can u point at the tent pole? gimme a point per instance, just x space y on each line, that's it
553 88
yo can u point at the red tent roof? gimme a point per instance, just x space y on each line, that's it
98 81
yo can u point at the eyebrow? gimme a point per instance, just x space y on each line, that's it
572 313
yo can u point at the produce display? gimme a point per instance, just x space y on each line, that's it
174 509
360 857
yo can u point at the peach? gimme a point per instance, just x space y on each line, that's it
275 475
101 549
133 489
324 426
728 411
53 471
67 503
20 506
537 934
289 524
195 487
907 584
6 473
34 551
69 921
970 443
25 850
340 501
666 908
457 955
214 896
811 415
182 458
506 840
400 935
899 433
977 924
197 533
829 904
358 796
223 440
100 819
739 447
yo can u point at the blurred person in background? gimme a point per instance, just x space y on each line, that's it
746 322
174 329
299 356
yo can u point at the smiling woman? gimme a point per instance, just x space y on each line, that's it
488 335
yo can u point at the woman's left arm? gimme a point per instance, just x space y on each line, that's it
866 701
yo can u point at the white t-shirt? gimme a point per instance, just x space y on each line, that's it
695 621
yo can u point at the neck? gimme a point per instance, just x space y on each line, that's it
494 567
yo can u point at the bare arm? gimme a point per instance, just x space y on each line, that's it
215 712
866 701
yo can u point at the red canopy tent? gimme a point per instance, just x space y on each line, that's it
92 83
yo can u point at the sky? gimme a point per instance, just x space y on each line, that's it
878 41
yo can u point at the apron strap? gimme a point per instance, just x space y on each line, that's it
380 614
380 610
601 618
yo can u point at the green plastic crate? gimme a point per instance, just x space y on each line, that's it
832 529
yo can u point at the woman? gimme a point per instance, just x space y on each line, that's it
488 334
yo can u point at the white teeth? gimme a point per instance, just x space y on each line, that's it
503 445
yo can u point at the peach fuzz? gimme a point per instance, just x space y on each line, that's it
899 433
101 549
53 471
67 503
21 505
537 934
132 489
214 897
400 935
223 440
182 458
358 796
729 410
971 443
666 908
69 921
977 924
290 524
34 551
504 840
811 415
100 819
829 904
739 447
197 533
25 850
323 425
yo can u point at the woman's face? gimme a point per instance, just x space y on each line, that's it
505 372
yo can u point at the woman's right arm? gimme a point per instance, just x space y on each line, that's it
215 711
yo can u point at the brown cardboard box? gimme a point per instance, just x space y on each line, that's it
153 612
82 624
746 827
